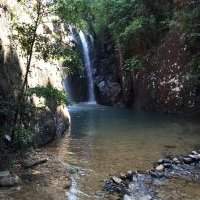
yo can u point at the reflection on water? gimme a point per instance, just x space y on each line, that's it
107 141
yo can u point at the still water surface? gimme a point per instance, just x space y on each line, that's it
105 141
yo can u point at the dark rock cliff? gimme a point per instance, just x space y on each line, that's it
165 84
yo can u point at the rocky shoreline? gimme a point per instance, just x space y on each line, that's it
49 178
145 185
37 171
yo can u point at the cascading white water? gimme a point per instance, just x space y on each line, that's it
88 67
67 89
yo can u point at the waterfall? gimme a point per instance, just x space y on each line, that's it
67 89
88 67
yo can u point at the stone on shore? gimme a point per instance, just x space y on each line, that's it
33 163
8 180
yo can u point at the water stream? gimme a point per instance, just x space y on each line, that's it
88 67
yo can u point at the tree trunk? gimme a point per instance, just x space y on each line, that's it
20 98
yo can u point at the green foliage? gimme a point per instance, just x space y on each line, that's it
133 64
138 28
75 12
124 17
133 24
189 21
51 47
23 137
49 93
136 25
24 34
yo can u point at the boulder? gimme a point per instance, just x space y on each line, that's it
8 180
50 125
62 120
195 157
68 184
108 92
45 128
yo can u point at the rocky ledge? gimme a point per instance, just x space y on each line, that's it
144 185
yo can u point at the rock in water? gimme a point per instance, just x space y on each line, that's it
122 175
145 197
176 160
9 181
187 160
68 184
160 168
117 180
194 152
195 156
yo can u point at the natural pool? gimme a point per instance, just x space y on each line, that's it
106 141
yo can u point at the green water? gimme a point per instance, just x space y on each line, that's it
106 141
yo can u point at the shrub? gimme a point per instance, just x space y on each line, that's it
137 26
133 63
189 23
50 94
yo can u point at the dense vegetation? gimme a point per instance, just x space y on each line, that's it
135 23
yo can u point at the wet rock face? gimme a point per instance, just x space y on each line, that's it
163 85
108 92
145 185
63 120
8 180
50 125
107 79
45 128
